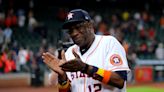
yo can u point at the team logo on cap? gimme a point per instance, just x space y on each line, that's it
115 60
70 16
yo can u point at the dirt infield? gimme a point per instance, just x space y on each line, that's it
54 89
29 89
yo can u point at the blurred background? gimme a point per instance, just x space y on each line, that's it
30 27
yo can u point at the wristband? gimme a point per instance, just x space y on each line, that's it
62 82
106 77
93 71
64 85
100 72
104 74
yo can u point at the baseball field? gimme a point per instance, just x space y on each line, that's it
152 87
144 89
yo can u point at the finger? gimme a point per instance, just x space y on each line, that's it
43 54
61 62
75 54
49 55
46 60
63 55
42 57
46 57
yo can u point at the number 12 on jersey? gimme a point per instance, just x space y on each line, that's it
95 88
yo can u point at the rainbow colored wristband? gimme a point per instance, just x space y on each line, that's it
104 74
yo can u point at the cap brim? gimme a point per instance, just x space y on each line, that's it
70 23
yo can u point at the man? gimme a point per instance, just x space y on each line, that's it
93 64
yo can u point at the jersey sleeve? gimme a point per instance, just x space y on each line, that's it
116 57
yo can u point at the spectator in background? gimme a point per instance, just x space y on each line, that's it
10 65
21 18
159 53
125 44
61 14
114 21
97 19
15 47
1 37
102 29
11 18
42 30
145 16
51 49
8 34
2 14
119 34
6 61
142 34
44 44
125 15
14 57
35 72
143 50
137 16
151 33
31 4
131 56
1 63
32 22
112 31
39 59
160 76
162 22
22 60
65 36
2 18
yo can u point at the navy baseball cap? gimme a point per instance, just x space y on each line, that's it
76 16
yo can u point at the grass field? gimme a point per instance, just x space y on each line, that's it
144 89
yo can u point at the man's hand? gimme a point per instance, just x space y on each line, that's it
74 65
53 63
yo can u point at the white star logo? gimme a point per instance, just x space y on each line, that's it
70 16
